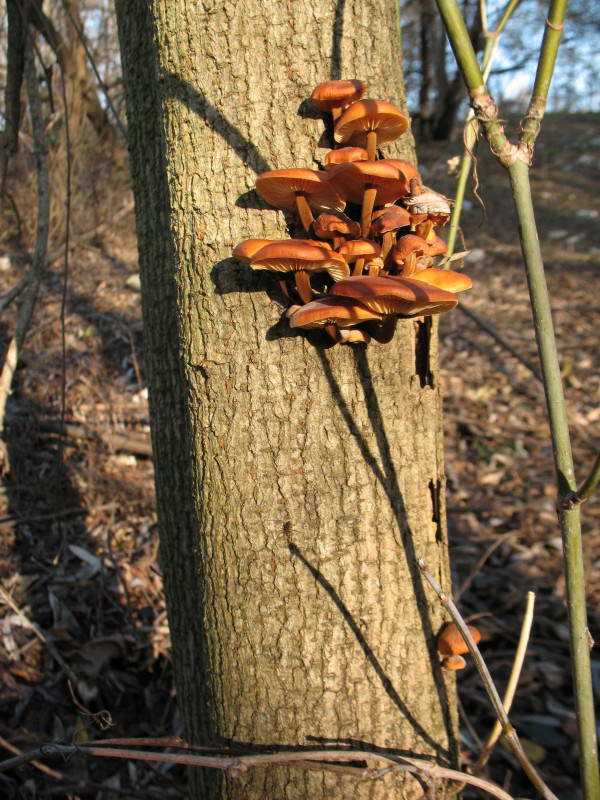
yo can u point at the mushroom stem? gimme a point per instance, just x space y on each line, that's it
367 209
336 113
338 241
383 332
304 212
423 229
303 285
332 331
358 266
387 244
284 289
410 265
374 270
371 145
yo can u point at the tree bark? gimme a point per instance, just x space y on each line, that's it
296 485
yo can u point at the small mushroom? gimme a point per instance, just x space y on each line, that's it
345 155
298 190
450 641
370 123
370 182
332 314
393 295
358 251
386 222
301 257
336 95
407 252
335 225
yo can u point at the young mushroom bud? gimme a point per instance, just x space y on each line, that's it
454 662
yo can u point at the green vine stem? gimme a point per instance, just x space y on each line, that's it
517 160
470 131
531 123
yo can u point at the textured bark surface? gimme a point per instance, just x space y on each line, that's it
295 484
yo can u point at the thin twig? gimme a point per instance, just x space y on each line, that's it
101 84
37 764
65 272
509 732
13 293
41 242
480 562
513 681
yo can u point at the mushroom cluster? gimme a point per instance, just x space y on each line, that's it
370 228
452 646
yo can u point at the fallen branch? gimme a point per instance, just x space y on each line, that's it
238 764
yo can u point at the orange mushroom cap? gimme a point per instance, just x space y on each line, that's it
451 643
389 219
445 279
405 246
298 254
246 250
337 94
279 188
332 224
341 311
368 115
437 247
345 155
359 248
350 180
409 170
393 295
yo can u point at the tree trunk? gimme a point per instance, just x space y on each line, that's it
296 485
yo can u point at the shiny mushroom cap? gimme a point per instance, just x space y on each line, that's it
370 115
389 219
450 642
406 246
350 180
437 247
279 188
393 295
293 255
445 279
345 155
246 250
341 311
337 94
333 224
409 170
359 248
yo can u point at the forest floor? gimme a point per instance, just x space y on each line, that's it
78 538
